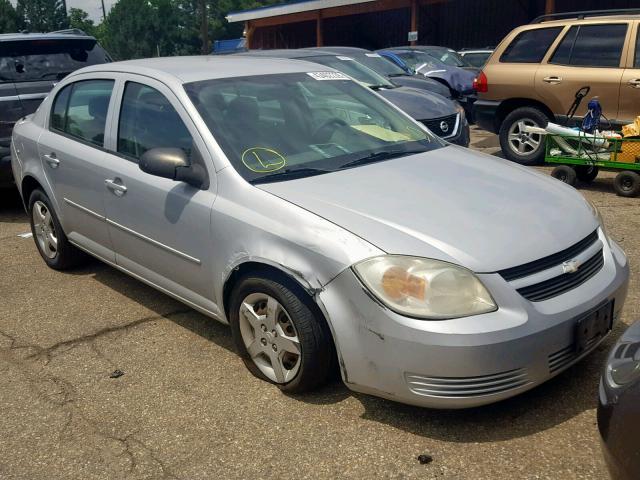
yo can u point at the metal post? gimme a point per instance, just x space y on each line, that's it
549 7
319 37
414 18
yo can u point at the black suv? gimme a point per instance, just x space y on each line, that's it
30 65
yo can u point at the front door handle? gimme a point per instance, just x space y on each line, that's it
52 160
634 83
115 186
552 80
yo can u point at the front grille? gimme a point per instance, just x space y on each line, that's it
536 266
566 356
443 126
461 387
563 283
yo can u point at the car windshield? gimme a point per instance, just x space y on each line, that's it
354 69
419 60
47 59
446 56
283 126
379 64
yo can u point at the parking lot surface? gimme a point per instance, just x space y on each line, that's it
186 407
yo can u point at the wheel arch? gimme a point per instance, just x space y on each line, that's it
263 266
512 104
27 186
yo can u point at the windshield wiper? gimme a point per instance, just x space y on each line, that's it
380 87
289 174
380 156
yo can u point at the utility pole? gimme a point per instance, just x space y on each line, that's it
204 27
104 12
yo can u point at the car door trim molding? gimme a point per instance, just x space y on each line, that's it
84 209
154 242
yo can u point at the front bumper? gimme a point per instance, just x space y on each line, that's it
470 361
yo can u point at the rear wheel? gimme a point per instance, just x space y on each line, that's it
627 184
52 243
519 145
565 174
586 174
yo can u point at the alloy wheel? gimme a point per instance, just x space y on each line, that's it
270 337
521 141
44 229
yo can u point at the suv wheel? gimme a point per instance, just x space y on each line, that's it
519 145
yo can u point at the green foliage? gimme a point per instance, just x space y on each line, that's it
8 17
78 18
41 15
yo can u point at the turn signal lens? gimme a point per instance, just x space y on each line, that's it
397 283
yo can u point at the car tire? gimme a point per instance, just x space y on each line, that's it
627 184
52 243
519 146
565 174
268 313
586 174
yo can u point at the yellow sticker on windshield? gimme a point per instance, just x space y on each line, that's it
263 160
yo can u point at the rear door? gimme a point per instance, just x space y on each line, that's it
589 55
629 104
10 106
73 158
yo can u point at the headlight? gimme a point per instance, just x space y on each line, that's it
460 110
624 366
598 216
424 288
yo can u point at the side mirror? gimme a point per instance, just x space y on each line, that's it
172 163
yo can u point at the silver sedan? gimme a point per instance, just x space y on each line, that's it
328 228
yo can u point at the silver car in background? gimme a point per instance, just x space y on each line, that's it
327 227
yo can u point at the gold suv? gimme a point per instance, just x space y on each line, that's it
533 75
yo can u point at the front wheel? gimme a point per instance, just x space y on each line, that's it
278 333
518 144
565 174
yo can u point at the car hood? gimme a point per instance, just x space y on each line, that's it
422 83
450 204
419 104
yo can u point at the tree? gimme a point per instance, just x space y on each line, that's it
8 17
41 15
78 18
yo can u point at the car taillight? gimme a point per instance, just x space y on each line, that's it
480 83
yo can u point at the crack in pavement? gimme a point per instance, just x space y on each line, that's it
66 345
62 395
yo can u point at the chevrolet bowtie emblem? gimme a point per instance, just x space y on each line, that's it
571 266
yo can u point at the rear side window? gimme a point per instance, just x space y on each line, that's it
80 110
530 46
148 120
48 59
591 46
636 61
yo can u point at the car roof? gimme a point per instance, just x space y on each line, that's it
341 50
204 67
11 37
288 53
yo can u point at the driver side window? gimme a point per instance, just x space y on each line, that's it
148 120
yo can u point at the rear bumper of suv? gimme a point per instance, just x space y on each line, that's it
484 114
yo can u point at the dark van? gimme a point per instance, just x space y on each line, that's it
30 65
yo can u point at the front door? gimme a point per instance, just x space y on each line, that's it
73 159
629 106
587 56
160 228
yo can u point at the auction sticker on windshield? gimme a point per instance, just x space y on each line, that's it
328 75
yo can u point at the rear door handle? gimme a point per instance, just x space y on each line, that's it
51 159
553 80
635 83
115 186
